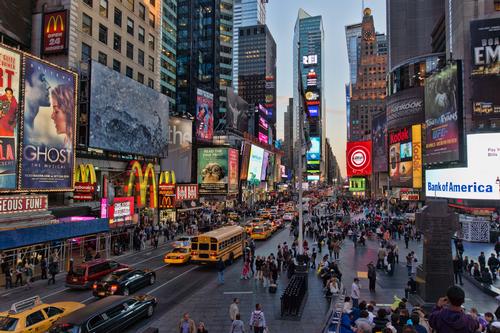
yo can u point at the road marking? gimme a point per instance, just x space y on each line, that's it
88 299
147 259
7 294
160 267
55 293
171 280
237 292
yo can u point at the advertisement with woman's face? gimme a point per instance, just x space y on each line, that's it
49 127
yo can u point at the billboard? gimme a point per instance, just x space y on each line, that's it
204 115
283 171
180 134
55 31
237 111
443 115
166 196
314 153
262 124
265 163
479 180
186 192
405 108
359 158
126 116
233 159
10 68
255 164
213 170
357 184
379 143
23 204
245 159
122 210
49 127
485 46
405 157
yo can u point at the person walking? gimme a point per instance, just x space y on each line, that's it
19 274
233 309
201 328
355 293
43 268
53 270
372 276
220 271
186 324
237 326
28 271
257 319
8 276
457 270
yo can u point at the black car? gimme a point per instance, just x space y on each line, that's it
123 282
109 315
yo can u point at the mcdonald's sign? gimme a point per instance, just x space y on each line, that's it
55 31
142 180
167 190
85 182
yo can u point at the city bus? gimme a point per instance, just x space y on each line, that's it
226 243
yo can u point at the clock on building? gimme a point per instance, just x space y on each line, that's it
368 35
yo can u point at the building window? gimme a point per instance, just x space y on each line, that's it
117 66
497 5
142 11
129 72
151 64
103 34
102 58
87 24
140 78
151 83
118 17
151 42
88 2
117 43
86 52
103 8
140 57
151 19
130 26
141 34
130 51
129 4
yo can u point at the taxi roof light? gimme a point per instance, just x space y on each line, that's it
25 304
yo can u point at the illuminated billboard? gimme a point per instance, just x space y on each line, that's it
359 158
55 32
357 184
255 164
213 170
405 157
379 143
314 153
204 115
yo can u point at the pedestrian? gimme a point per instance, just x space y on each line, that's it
257 319
186 324
493 265
19 274
409 260
355 292
245 271
233 309
53 270
220 271
457 270
372 276
43 268
407 239
8 276
237 326
313 258
482 260
28 271
201 328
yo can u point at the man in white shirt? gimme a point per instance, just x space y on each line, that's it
355 292
233 309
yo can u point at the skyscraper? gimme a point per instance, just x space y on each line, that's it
308 69
168 51
352 34
288 135
246 13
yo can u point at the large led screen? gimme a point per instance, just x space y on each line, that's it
255 164
179 149
237 111
405 157
213 170
314 153
126 116
49 127
379 143
204 115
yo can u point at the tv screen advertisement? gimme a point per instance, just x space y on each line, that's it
379 142
237 111
245 159
233 159
359 158
213 170
204 116
179 149
443 114
314 153
49 127
10 67
485 35
265 163
313 111
405 157
255 164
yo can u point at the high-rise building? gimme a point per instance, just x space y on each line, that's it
257 76
15 29
245 13
308 69
168 51
288 143
352 35
204 53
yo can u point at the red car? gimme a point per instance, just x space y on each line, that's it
84 275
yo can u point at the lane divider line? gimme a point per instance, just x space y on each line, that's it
171 280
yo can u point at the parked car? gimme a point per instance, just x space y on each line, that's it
109 315
123 282
84 275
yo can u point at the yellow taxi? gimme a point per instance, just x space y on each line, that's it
262 231
179 255
31 315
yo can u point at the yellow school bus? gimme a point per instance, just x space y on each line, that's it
226 243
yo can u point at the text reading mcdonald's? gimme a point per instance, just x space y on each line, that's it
55 32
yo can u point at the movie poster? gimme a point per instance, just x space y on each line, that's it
233 159
49 127
204 116
213 170
10 67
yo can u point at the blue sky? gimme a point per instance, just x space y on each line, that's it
281 17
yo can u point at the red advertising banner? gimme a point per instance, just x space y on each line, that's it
359 158
23 204
55 27
233 157
167 196
121 210
84 191
187 192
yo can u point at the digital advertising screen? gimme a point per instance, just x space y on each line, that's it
265 163
10 67
314 153
313 110
213 170
405 157
379 143
233 160
49 127
484 40
357 184
245 160
204 115
255 164
359 158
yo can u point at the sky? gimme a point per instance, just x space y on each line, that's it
281 17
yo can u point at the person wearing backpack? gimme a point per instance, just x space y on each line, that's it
257 320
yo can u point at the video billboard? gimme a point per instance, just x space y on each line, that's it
237 111
359 158
180 145
48 143
443 115
405 157
126 116
379 143
485 46
255 164
314 153
10 67
480 180
204 115
233 159
265 163
357 184
213 170
405 108
245 159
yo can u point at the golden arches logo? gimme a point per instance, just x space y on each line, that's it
141 180
85 173
167 177
55 19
